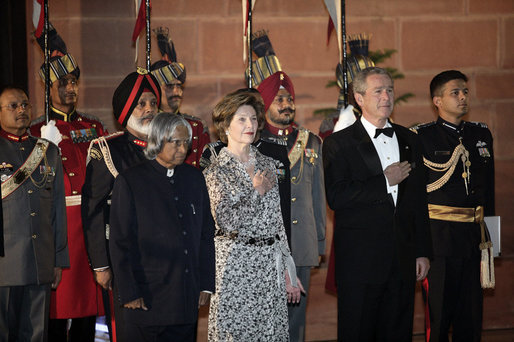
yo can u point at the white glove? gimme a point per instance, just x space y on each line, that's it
346 118
50 132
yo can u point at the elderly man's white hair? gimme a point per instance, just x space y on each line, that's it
161 131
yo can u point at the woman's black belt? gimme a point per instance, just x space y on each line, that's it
254 241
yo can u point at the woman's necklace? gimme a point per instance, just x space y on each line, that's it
250 163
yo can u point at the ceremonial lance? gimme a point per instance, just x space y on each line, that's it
343 62
47 62
148 36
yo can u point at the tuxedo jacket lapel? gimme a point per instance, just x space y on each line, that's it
367 149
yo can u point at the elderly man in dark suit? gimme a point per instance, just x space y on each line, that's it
162 238
375 183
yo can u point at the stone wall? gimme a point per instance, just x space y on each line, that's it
474 36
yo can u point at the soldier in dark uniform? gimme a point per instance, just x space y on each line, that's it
273 149
78 297
307 202
34 222
162 238
135 103
308 206
460 160
172 77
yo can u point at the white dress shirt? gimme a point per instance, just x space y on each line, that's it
387 149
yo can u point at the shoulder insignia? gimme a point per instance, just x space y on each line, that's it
414 128
215 144
91 117
309 133
110 136
274 140
95 154
476 124
37 120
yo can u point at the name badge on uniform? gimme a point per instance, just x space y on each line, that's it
483 151
83 135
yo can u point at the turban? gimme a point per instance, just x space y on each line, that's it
61 62
167 69
270 86
129 91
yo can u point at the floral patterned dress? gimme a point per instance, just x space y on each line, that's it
250 303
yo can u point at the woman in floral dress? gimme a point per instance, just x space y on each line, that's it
254 266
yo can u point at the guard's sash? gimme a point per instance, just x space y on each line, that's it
298 147
15 180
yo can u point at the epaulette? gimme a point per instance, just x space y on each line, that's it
476 124
274 140
91 117
214 144
110 136
37 120
311 133
327 125
414 128
194 118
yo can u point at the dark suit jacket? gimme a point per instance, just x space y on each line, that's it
371 235
161 242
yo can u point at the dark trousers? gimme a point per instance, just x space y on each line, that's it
81 330
375 312
296 312
168 333
454 299
24 312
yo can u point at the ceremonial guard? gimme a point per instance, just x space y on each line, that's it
460 161
34 222
172 77
135 104
78 297
308 206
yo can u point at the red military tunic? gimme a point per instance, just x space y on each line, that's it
77 295
199 139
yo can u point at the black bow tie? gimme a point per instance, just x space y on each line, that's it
389 131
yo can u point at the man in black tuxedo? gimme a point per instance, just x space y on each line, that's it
375 183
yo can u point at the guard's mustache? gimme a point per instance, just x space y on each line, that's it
146 117
287 109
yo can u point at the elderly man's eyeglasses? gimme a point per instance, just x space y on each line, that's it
14 106
177 143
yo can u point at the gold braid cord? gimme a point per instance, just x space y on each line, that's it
461 153
104 148
297 153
